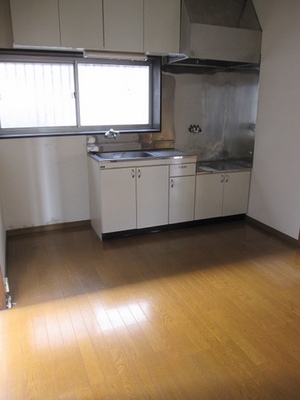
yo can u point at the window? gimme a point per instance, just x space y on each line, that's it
78 96
113 94
35 95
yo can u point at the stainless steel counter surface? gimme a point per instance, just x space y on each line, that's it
119 156
222 166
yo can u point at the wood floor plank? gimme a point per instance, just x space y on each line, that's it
209 313
46 363
4 352
14 362
32 387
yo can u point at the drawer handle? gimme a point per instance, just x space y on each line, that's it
182 166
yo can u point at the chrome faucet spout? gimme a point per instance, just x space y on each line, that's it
111 134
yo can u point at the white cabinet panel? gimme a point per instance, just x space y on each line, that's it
94 196
81 23
222 194
123 25
182 196
118 199
209 195
152 196
127 198
161 26
236 193
6 39
35 22
128 25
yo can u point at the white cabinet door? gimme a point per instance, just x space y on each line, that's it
181 201
81 23
35 22
209 195
236 193
161 26
123 25
222 194
118 199
152 196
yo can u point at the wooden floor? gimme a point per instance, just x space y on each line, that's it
211 312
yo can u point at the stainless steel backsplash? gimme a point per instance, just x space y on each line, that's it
222 104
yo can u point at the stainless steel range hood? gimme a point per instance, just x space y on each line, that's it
218 32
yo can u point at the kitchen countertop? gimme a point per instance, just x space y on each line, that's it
167 156
147 157
223 165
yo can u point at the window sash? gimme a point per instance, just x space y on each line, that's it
76 127
30 97
99 102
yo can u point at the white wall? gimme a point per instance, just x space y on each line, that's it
275 186
43 181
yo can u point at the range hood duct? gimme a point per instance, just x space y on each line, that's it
218 32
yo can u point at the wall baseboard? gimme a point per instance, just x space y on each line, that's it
51 227
274 232
87 223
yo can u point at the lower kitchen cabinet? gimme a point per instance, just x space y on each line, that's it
236 193
221 194
181 193
118 199
127 198
152 195
209 196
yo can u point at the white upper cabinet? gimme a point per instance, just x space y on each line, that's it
123 25
81 24
161 26
115 25
35 22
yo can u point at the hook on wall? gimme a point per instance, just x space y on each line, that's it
195 129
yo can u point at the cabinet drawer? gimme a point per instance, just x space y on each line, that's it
182 169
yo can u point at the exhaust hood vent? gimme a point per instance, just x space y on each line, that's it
225 31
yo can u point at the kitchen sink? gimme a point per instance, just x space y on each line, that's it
124 155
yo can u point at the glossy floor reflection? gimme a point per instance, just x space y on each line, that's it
207 313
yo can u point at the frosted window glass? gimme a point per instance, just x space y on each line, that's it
36 95
113 94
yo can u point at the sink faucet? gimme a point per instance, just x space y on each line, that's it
111 134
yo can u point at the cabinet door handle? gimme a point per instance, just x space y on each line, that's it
139 173
222 178
132 173
172 183
226 178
